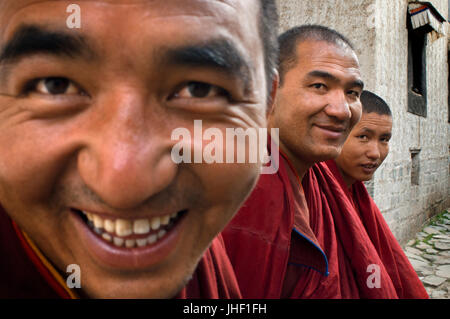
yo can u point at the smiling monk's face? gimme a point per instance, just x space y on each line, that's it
86 117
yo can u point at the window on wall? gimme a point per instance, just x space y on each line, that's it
415 166
417 71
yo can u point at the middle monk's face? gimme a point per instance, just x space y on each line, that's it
318 102
87 135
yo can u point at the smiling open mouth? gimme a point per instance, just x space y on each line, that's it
130 233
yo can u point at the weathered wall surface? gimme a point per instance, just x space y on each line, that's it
378 30
349 17
406 206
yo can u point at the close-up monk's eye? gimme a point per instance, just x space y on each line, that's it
200 90
363 137
318 85
52 86
354 93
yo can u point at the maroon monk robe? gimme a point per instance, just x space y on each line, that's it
269 241
353 239
25 274
258 239
406 282
214 277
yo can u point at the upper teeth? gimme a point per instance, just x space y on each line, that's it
125 227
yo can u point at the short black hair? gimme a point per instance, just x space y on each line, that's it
290 39
372 103
268 31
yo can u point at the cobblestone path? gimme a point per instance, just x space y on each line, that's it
429 253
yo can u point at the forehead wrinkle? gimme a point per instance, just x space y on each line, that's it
325 47
226 14
204 11
18 5
328 64
375 117
224 19
366 129
364 124
351 70
24 2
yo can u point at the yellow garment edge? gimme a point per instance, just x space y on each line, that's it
49 266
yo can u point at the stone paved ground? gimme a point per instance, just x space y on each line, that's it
429 253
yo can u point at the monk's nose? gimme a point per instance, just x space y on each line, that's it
338 106
373 151
126 159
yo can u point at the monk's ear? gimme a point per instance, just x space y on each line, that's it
273 92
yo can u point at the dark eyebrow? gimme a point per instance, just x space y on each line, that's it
321 74
31 39
368 130
218 54
325 75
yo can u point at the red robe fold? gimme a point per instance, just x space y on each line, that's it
214 277
354 236
25 274
259 236
270 261
269 240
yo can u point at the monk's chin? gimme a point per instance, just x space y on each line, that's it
325 156
128 290
159 283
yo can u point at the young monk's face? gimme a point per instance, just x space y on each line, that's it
318 102
366 148
86 118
